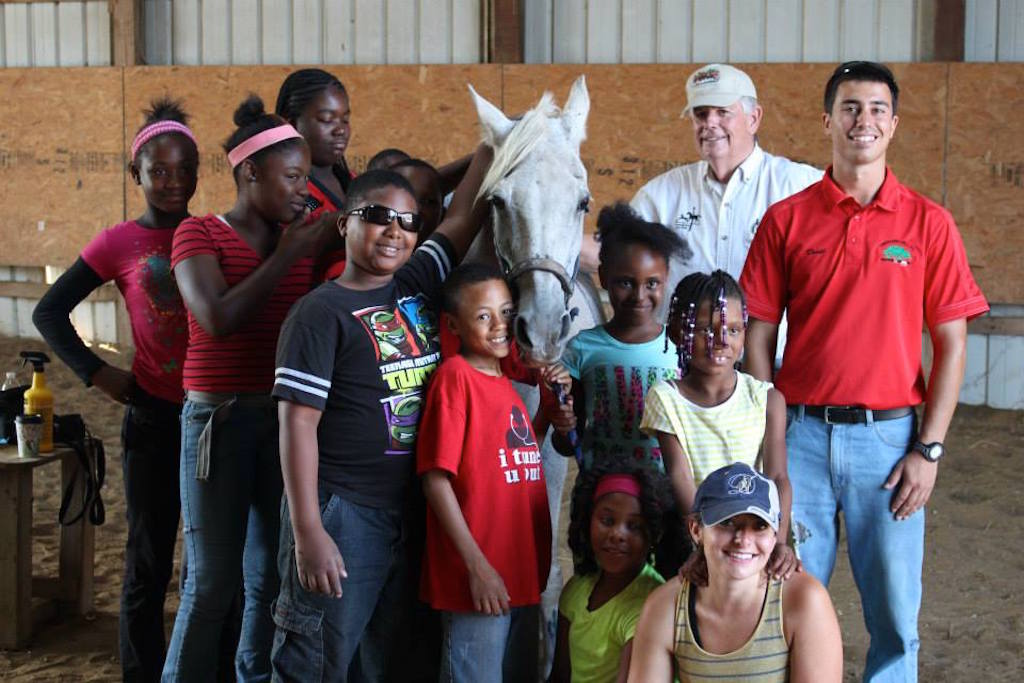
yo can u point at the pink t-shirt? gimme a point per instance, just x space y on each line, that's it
138 260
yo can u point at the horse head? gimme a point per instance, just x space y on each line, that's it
537 189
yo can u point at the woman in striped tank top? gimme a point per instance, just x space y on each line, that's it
724 617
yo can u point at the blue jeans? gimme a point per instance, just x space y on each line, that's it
842 467
482 649
231 532
361 635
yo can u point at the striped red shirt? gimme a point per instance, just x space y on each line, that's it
242 361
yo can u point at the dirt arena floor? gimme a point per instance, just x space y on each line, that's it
972 621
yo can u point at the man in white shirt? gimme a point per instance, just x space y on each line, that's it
716 204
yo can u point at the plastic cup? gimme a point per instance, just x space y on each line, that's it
29 429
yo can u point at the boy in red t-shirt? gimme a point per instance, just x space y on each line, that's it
488 529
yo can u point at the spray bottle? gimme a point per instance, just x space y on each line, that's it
39 399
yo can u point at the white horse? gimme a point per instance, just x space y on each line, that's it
537 188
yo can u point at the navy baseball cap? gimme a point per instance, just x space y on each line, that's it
737 489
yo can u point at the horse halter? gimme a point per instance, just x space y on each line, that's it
547 265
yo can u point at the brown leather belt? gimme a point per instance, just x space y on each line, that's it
853 414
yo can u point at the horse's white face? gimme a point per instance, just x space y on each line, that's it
537 208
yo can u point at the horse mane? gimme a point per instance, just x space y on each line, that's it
521 140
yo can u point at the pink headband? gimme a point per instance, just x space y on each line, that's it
159 128
617 483
261 141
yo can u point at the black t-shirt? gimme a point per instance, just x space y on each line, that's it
364 358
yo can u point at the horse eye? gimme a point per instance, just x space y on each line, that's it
584 205
497 202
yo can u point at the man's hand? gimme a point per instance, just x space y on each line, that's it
915 477
318 562
488 590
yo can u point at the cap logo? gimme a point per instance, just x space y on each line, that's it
741 484
705 77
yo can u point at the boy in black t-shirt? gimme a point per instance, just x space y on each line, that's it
353 359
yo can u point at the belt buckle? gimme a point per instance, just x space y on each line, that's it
828 420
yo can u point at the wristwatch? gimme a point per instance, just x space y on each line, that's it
931 451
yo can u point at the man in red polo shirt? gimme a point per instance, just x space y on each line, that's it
861 264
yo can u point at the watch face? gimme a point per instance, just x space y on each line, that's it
932 451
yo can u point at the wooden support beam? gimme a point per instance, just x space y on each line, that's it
940 30
504 31
126 30
36 290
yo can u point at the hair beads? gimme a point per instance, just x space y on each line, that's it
691 324
695 291
722 308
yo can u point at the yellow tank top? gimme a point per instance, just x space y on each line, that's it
763 658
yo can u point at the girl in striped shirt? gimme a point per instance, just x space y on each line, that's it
716 415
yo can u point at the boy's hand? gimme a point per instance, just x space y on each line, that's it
783 562
318 562
488 590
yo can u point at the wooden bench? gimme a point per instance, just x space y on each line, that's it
72 590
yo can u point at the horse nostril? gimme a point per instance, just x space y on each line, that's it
521 335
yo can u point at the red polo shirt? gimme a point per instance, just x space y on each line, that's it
858 284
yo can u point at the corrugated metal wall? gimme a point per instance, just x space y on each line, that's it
69 33
312 31
574 31
994 31
55 34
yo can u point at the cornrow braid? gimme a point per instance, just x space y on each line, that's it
692 294
298 90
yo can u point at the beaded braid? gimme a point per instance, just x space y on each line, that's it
690 294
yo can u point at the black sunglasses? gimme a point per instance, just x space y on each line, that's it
383 215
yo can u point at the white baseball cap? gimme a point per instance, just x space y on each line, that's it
717 85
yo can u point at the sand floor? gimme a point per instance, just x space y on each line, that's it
972 620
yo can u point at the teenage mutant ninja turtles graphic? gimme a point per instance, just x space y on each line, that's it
403 414
422 318
389 332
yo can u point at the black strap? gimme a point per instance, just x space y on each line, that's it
92 464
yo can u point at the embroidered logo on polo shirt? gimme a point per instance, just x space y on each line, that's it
705 77
896 252
687 221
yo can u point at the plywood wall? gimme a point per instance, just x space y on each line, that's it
62 173
425 110
959 140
